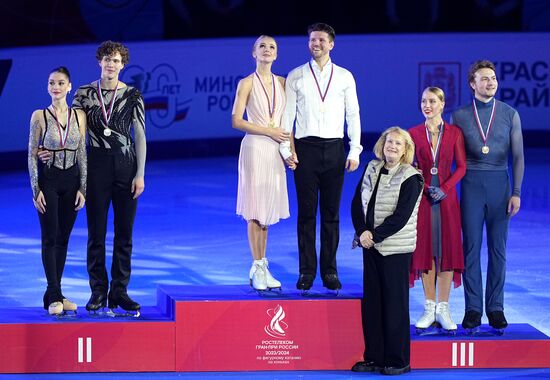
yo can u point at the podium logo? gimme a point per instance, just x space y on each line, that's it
276 327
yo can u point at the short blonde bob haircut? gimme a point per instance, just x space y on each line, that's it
407 157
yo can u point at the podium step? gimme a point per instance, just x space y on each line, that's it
521 346
35 342
233 328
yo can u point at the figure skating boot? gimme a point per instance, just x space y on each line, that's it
96 302
443 317
497 321
331 282
428 317
471 321
55 308
69 306
123 301
305 282
258 279
271 282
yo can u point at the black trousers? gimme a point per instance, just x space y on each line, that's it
59 188
110 175
319 178
385 308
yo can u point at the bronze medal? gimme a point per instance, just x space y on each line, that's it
484 136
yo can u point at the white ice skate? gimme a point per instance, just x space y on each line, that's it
258 276
69 306
428 318
271 282
443 317
55 308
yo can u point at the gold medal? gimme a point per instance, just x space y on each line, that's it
485 149
107 132
270 105
321 95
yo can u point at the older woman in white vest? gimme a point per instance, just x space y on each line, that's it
384 212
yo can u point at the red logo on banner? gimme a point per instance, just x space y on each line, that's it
276 327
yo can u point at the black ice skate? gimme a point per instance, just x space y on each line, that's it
471 322
96 303
123 300
331 282
305 282
497 321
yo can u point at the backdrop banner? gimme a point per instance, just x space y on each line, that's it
189 86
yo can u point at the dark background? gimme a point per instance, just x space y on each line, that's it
53 22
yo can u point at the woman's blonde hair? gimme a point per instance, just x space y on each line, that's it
261 38
407 157
437 92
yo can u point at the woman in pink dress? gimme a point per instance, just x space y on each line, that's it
262 198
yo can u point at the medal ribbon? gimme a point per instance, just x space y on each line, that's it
106 116
484 136
323 96
63 135
270 105
435 153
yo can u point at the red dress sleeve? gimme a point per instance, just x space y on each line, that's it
460 163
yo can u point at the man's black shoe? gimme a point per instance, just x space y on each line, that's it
497 320
96 302
395 370
472 319
365 367
305 282
331 281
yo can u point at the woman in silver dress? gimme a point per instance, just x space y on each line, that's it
59 185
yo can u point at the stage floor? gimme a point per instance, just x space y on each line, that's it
187 233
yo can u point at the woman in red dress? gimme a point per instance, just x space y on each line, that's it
438 259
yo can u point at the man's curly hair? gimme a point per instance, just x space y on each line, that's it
109 48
